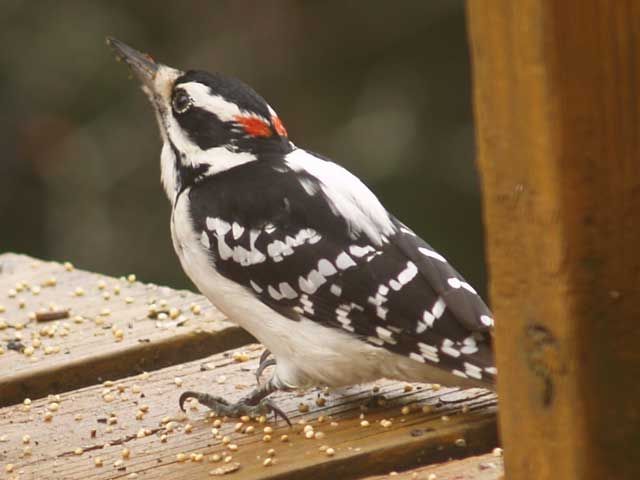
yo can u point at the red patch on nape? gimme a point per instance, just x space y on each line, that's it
277 124
254 126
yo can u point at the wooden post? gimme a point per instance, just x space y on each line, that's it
557 108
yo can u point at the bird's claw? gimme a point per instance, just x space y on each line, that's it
265 362
225 409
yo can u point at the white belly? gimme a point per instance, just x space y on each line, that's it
307 353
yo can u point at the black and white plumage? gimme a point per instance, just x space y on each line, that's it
301 253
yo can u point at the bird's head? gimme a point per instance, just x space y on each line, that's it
209 123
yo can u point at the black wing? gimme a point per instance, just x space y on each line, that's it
300 258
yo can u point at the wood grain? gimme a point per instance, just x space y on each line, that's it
480 467
557 107
412 439
89 351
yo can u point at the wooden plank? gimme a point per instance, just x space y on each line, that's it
557 108
409 440
83 351
481 467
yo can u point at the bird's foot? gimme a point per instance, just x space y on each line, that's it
245 406
265 362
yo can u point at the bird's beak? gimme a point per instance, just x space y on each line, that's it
142 65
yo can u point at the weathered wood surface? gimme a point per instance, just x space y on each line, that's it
79 422
557 107
81 351
481 467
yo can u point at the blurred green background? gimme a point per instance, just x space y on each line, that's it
381 87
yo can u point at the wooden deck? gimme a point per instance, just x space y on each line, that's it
103 404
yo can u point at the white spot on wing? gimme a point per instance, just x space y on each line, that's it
344 261
335 289
416 357
432 254
237 230
287 290
487 320
204 240
326 268
438 308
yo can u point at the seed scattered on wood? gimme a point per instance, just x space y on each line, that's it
240 357
215 458
132 475
118 335
427 409
444 418
217 423
405 410
9 467
318 435
303 408
233 447
227 459
48 416
118 464
53 406
68 266
26 451
330 452
126 453
195 309
309 435
249 430
267 462
226 440
224 469
238 427
178 381
408 388
385 423
108 398
78 451
268 430
460 442
181 457
284 438
188 428
141 433
131 278
28 351
432 476
105 312
435 386
364 423
497 452
98 462
320 401
266 438
79 292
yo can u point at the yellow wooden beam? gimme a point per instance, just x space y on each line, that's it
557 110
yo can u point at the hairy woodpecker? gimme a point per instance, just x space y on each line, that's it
300 253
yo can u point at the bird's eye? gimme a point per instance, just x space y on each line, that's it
181 101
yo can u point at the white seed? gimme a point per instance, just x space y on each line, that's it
497 452
9 467
177 381
131 278
364 423
267 462
284 438
330 452
78 451
98 462
68 266
126 453
181 457
405 410
188 428
53 406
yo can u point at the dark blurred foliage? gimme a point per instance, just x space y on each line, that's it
381 87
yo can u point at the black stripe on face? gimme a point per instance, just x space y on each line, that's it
204 128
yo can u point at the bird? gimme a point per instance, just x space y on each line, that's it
299 252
